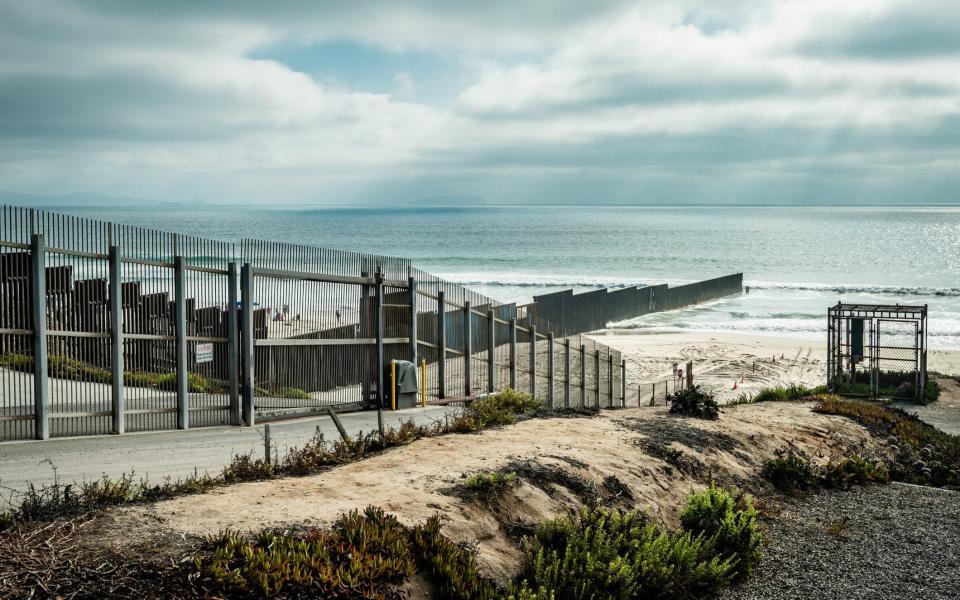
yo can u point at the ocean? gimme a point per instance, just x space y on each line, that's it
796 260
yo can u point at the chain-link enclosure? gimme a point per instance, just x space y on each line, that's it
877 350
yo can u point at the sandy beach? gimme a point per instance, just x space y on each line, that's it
720 359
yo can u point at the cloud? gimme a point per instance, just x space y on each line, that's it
603 101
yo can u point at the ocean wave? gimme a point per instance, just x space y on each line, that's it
540 280
892 290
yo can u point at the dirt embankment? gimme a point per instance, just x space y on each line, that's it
640 458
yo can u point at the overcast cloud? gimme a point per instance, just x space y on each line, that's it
500 102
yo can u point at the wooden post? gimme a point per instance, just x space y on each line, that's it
266 443
533 361
467 349
441 346
116 342
41 391
249 370
233 345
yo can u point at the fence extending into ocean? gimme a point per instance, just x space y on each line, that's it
108 328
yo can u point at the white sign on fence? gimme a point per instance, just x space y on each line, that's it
205 353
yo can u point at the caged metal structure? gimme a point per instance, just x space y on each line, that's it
877 350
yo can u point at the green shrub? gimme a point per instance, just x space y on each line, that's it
694 402
730 523
452 568
484 481
853 470
607 553
494 410
931 391
792 472
922 454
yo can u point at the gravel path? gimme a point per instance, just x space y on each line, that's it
892 541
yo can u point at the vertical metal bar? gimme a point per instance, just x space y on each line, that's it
180 334
491 352
116 341
441 345
609 379
249 366
378 327
233 345
467 349
363 332
566 369
596 372
550 369
412 288
623 383
533 361
583 375
513 353
41 390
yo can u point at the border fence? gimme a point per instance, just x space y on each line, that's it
108 328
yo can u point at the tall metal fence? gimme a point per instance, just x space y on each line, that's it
109 328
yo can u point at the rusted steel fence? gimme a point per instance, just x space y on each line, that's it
109 328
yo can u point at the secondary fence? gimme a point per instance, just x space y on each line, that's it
109 328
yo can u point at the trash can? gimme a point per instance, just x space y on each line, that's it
406 385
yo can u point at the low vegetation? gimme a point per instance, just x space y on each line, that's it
318 454
788 393
793 472
694 402
609 553
891 384
921 453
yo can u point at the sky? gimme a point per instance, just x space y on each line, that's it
547 101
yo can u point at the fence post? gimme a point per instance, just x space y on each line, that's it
364 331
583 375
412 288
596 368
249 368
623 384
610 378
513 353
441 345
41 395
233 345
491 352
180 330
116 342
566 369
653 394
467 349
533 361
378 330
550 365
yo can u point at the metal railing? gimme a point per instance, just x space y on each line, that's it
148 330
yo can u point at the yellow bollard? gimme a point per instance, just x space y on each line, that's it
393 385
423 382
